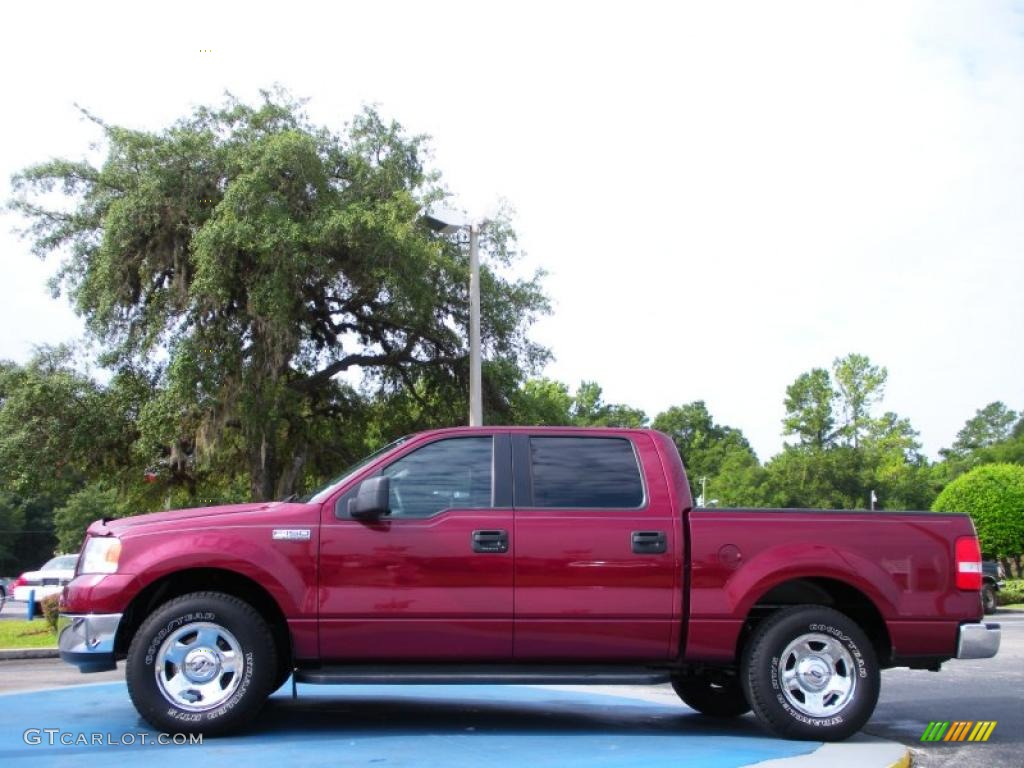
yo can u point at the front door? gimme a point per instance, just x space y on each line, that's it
433 579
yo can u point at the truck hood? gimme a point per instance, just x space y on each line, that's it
101 528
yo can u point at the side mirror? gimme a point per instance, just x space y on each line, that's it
371 499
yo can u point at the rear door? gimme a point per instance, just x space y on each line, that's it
597 563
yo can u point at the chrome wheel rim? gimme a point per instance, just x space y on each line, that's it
199 666
817 675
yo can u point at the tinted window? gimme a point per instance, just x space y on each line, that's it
448 474
592 472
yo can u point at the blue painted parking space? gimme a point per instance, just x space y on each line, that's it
451 726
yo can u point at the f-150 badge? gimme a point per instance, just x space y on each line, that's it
291 534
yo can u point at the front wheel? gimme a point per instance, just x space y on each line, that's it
988 598
714 698
201 663
810 672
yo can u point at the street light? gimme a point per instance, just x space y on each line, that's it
448 223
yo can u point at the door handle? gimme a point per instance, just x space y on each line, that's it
649 542
490 541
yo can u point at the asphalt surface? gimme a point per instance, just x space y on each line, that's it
17 610
987 689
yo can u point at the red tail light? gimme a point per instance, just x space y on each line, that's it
968 564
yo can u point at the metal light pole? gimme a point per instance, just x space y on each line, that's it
448 223
476 408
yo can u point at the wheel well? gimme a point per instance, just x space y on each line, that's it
829 592
199 580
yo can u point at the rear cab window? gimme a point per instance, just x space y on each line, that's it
582 472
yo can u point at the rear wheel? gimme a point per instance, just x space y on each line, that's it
810 672
201 663
719 698
988 598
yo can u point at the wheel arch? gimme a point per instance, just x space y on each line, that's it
178 583
830 592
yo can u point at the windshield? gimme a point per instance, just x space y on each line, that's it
325 490
62 563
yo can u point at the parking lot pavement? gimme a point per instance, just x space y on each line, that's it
542 726
986 689
407 725
12 610
34 674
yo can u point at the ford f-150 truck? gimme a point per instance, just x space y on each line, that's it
524 555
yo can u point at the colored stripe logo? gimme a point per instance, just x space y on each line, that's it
958 730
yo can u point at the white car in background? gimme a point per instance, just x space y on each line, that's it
48 580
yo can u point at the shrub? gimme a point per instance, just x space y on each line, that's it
1012 592
993 495
51 611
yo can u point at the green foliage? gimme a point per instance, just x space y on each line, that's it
268 256
993 495
719 453
543 402
859 385
590 410
989 425
815 478
55 426
1011 593
843 451
809 413
12 522
994 435
83 507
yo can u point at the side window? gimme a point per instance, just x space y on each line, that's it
448 474
589 472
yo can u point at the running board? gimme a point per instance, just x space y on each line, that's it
515 674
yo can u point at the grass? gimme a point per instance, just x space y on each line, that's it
1014 606
26 634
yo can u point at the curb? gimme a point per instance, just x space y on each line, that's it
859 751
14 654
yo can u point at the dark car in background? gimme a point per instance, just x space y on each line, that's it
992 576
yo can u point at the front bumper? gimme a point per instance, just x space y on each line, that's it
87 640
978 641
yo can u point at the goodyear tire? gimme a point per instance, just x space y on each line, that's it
723 698
810 672
201 663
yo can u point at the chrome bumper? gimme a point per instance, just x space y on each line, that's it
87 640
978 641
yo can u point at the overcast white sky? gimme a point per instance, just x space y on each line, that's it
725 194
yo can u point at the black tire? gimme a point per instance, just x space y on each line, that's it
184 617
988 598
835 650
722 698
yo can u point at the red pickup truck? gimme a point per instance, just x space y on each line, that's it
524 555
